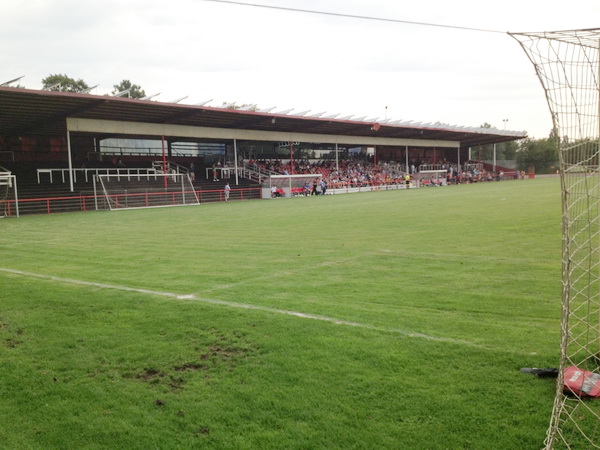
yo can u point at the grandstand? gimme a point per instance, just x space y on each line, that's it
55 143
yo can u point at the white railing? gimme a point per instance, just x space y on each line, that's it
252 175
125 172
222 173
6 177
171 167
257 173
426 167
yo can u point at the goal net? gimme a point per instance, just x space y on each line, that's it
568 66
292 185
112 191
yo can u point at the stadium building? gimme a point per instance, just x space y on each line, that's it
53 145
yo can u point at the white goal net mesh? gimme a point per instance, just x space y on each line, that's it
568 66
159 190
292 185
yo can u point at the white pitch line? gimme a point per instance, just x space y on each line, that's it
243 306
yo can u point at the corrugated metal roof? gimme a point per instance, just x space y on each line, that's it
37 112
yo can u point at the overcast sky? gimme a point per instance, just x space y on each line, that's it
225 52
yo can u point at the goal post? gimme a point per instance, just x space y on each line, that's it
291 185
568 66
9 199
115 192
434 177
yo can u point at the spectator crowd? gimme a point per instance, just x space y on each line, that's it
361 173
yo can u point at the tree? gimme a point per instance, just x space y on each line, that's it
136 91
542 154
63 83
504 150
483 152
508 150
245 106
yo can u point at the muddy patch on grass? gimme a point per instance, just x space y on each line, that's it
224 353
12 343
202 431
190 366
151 375
10 337
218 356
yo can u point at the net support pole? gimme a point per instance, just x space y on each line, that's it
70 161
494 165
235 161
291 158
183 190
14 180
95 192
406 157
337 162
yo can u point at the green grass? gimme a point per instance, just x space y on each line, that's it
451 291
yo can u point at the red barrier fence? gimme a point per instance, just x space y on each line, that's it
82 203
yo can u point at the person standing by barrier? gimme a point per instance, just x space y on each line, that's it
226 192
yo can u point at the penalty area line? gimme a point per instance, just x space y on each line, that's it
212 301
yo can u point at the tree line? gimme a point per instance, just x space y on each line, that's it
528 153
541 155
64 83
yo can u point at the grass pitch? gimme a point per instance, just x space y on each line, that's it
379 320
